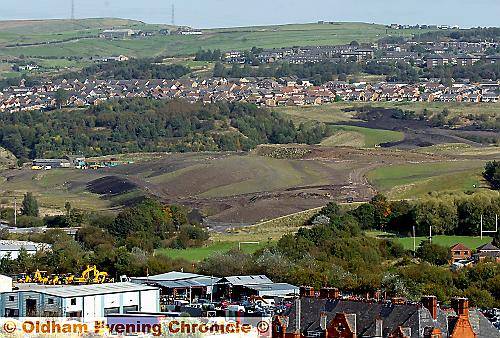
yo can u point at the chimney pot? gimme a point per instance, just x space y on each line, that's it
430 303
306 291
461 306
329 293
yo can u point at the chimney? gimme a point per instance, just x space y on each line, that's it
306 291
329 293
430 303
461 306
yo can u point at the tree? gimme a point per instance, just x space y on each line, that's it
365 214
219 69
30 205
61 97
440 214
492 174
382 210
433 253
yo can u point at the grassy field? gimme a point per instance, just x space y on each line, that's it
225 242
462 150
52 189
334 112
199 254
413 180
455 108
327 113
446 241
361 137
81 31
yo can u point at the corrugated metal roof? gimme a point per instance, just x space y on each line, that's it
246 280
274 287
11 245
96 289
170 276
195 282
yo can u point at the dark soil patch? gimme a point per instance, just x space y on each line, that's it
110 185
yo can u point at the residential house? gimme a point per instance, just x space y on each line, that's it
460 252
487 252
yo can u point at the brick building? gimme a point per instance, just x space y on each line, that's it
460 252
319 317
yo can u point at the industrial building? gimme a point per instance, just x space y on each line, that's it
180 284
82 301
193 286
237 287
13 248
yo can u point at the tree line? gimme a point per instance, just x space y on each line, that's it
394 71
147 125
143 69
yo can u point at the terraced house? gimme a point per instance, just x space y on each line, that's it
333 317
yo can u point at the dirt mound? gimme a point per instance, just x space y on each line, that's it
110 185
283 151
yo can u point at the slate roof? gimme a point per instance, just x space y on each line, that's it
413 316
488 247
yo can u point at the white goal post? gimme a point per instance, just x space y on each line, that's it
489 231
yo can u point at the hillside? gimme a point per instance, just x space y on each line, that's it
7 159
84 43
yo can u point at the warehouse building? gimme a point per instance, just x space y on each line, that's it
13 248
180 284
238 287
190 286
78 301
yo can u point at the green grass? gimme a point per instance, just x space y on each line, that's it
52 191
471 242
224 39
372 137
326 113
334 112
199 254
413 180
447 241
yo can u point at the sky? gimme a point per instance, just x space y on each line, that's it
231 13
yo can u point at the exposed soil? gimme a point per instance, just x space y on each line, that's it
345 169
110 185
327 174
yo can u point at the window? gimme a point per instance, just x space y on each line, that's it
11 298
133 308
111 311
50 301
73 301
11 312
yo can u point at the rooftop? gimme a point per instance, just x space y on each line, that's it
87 290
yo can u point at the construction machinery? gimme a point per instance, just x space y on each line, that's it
91 275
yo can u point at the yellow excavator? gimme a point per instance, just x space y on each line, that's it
40 277
91 276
